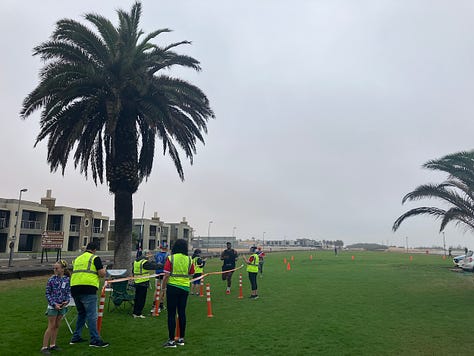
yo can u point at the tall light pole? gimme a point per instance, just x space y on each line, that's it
12 242
233 231
208 234
263 239
406 238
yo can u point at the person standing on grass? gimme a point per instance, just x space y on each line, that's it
261 256
142 267
178 271
160 259
252 269
58 294
228 256
198 270
87 268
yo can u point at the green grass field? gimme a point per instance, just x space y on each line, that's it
377 304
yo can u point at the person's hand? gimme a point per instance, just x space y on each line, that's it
58 306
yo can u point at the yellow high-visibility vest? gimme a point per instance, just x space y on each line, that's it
180 265
138 270
253 266
197 269
84 271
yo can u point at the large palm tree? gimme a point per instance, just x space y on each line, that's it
456 191
103 94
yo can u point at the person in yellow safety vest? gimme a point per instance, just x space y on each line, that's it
252 269
142 266
87 268
199 264
178 271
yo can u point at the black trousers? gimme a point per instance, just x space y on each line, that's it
253 280
140 298
176 300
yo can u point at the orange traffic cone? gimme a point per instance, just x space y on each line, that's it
176 335
101 309
240 287
292 258
411 258
353 258
288 267
201 288
284 260
156 309
208 295
311 257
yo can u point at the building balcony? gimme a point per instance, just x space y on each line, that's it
31 225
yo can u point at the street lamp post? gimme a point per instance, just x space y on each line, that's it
12 242
263 239
208 234
233 231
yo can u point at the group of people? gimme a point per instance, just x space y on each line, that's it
82 286
175 269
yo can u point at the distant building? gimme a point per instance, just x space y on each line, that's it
75 226
213 242
155 232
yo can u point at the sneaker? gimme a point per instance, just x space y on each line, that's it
72 342
169 343
255 297
99 344
45 351
55 348
227 291
180 342
141 316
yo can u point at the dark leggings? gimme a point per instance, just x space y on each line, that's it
176 299
140 298
253 280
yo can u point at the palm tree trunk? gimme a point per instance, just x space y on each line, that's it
123 230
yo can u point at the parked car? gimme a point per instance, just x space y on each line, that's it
459 260
468 262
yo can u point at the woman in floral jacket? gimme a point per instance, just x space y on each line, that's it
58 294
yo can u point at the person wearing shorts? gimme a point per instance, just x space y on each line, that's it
198 270
228 256
58 294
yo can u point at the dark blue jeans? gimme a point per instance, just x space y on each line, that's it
86 305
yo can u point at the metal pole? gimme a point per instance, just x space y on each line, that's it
444 244
233 231
12 242
140 238
208 234
263 238
406 238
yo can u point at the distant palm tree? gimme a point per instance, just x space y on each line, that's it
103 96
457 191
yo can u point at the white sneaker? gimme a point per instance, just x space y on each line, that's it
139 316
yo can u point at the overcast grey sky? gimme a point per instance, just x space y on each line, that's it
325 112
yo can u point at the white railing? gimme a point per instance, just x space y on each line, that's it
32 225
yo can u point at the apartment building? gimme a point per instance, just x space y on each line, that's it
155 232
72 228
